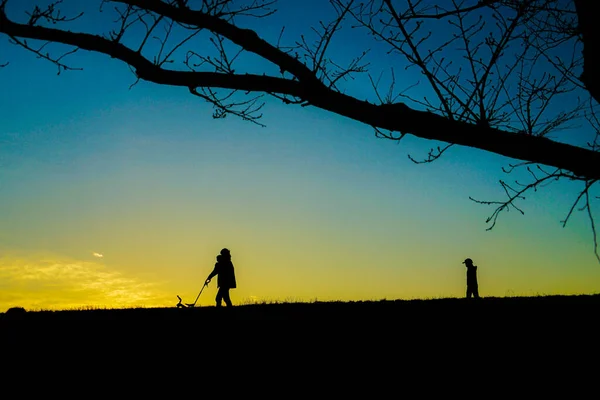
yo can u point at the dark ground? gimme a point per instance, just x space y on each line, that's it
524 314
535 343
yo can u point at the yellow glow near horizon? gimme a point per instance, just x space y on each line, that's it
52 283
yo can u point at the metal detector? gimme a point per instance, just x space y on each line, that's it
191 305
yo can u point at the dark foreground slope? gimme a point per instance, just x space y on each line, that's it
545 313
535 342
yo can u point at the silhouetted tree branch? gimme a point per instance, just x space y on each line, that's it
493 77
590 36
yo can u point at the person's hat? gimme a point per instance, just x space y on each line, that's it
225 251
468 261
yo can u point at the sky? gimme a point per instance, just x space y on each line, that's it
112 196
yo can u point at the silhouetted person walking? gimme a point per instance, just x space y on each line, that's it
472 286
225 279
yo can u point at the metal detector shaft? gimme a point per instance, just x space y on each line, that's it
197 297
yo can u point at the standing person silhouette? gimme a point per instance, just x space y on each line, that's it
472 286
225 279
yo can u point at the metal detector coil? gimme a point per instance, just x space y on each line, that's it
190 305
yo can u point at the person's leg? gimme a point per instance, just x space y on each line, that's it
226 297
468 292
476 291
219 297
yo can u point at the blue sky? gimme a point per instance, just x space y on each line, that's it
312 206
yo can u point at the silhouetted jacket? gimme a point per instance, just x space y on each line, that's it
472 275
225 274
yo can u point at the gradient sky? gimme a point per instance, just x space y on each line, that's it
118 197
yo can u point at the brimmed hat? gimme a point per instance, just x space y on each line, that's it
468 261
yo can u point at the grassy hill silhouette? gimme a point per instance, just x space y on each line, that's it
506 309
493 337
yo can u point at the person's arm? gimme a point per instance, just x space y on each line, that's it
213 273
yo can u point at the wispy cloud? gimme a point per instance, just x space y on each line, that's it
60 283
98 255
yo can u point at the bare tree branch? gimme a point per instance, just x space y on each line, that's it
493 78
306 86
514 194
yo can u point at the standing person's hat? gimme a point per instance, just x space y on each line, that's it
468 261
